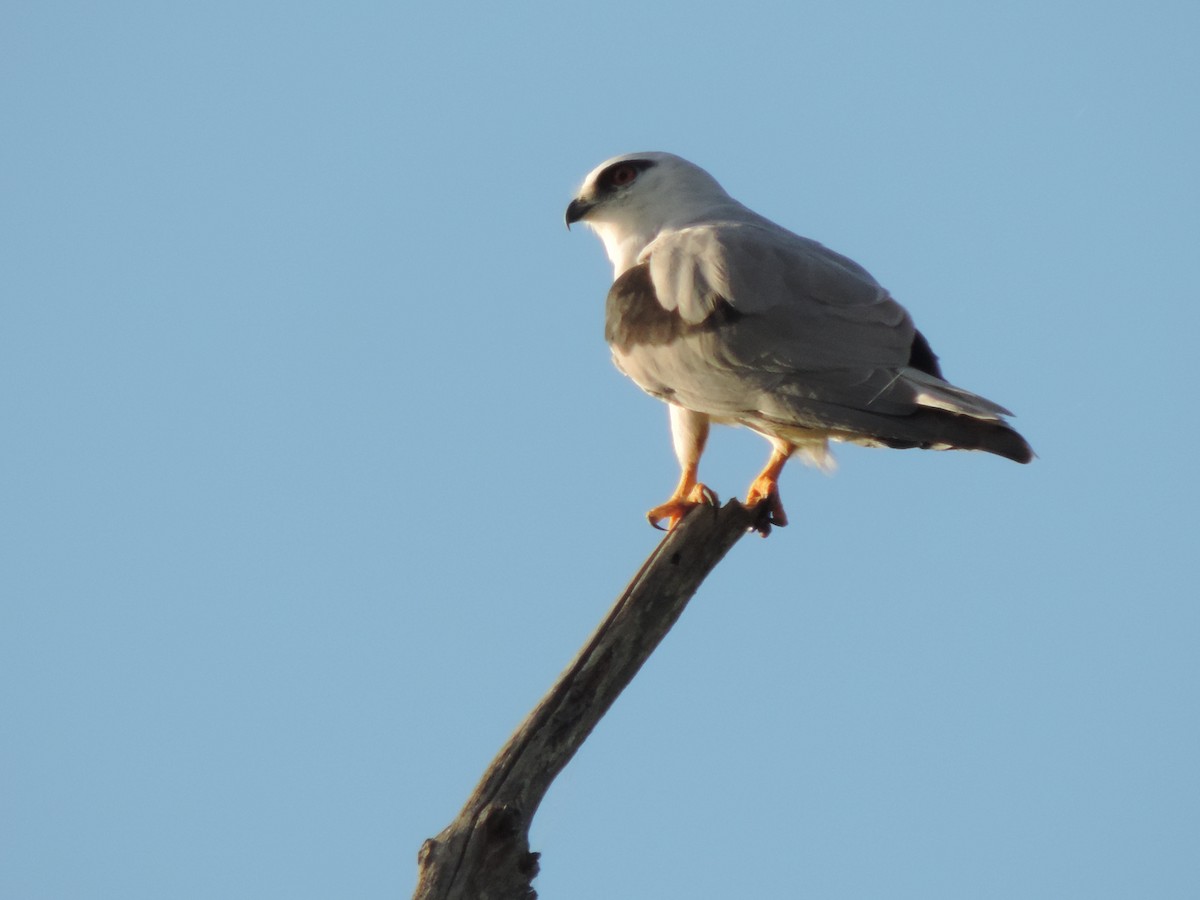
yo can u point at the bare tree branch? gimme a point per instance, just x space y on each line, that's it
484 853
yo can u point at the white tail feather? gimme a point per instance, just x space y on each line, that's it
937 394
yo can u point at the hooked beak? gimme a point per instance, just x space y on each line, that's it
577 209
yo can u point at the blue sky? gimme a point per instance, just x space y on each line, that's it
315 472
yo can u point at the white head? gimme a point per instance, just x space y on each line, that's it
630 200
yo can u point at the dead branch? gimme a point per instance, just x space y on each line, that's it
484 853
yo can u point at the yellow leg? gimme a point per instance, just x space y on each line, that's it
689 493
765 488
689 432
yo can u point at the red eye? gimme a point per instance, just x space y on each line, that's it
622 175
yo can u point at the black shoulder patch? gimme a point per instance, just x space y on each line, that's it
633 316
921 356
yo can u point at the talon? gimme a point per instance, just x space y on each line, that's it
762 520
680 505
658 513
764 496
673 511
703 494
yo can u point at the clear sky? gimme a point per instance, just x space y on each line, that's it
314 471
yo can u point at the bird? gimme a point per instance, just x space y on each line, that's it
732 319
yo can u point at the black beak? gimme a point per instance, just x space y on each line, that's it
576 210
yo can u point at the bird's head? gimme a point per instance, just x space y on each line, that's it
629 200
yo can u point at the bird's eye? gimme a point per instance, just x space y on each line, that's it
623 175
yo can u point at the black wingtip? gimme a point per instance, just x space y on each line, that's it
942 430
1003 441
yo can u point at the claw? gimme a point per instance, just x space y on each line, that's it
680 505
764 497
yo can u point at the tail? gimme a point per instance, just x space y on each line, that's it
954 418
941 430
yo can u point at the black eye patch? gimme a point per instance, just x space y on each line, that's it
618 174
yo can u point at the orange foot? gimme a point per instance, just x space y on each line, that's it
764 496
680 505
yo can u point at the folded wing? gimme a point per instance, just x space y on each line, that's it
754 324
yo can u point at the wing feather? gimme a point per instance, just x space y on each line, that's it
779 333
823 309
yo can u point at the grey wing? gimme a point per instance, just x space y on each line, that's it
818 309
776 331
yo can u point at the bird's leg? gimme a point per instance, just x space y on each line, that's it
688 493
765 488
689 432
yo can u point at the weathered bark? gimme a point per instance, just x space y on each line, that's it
484 853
